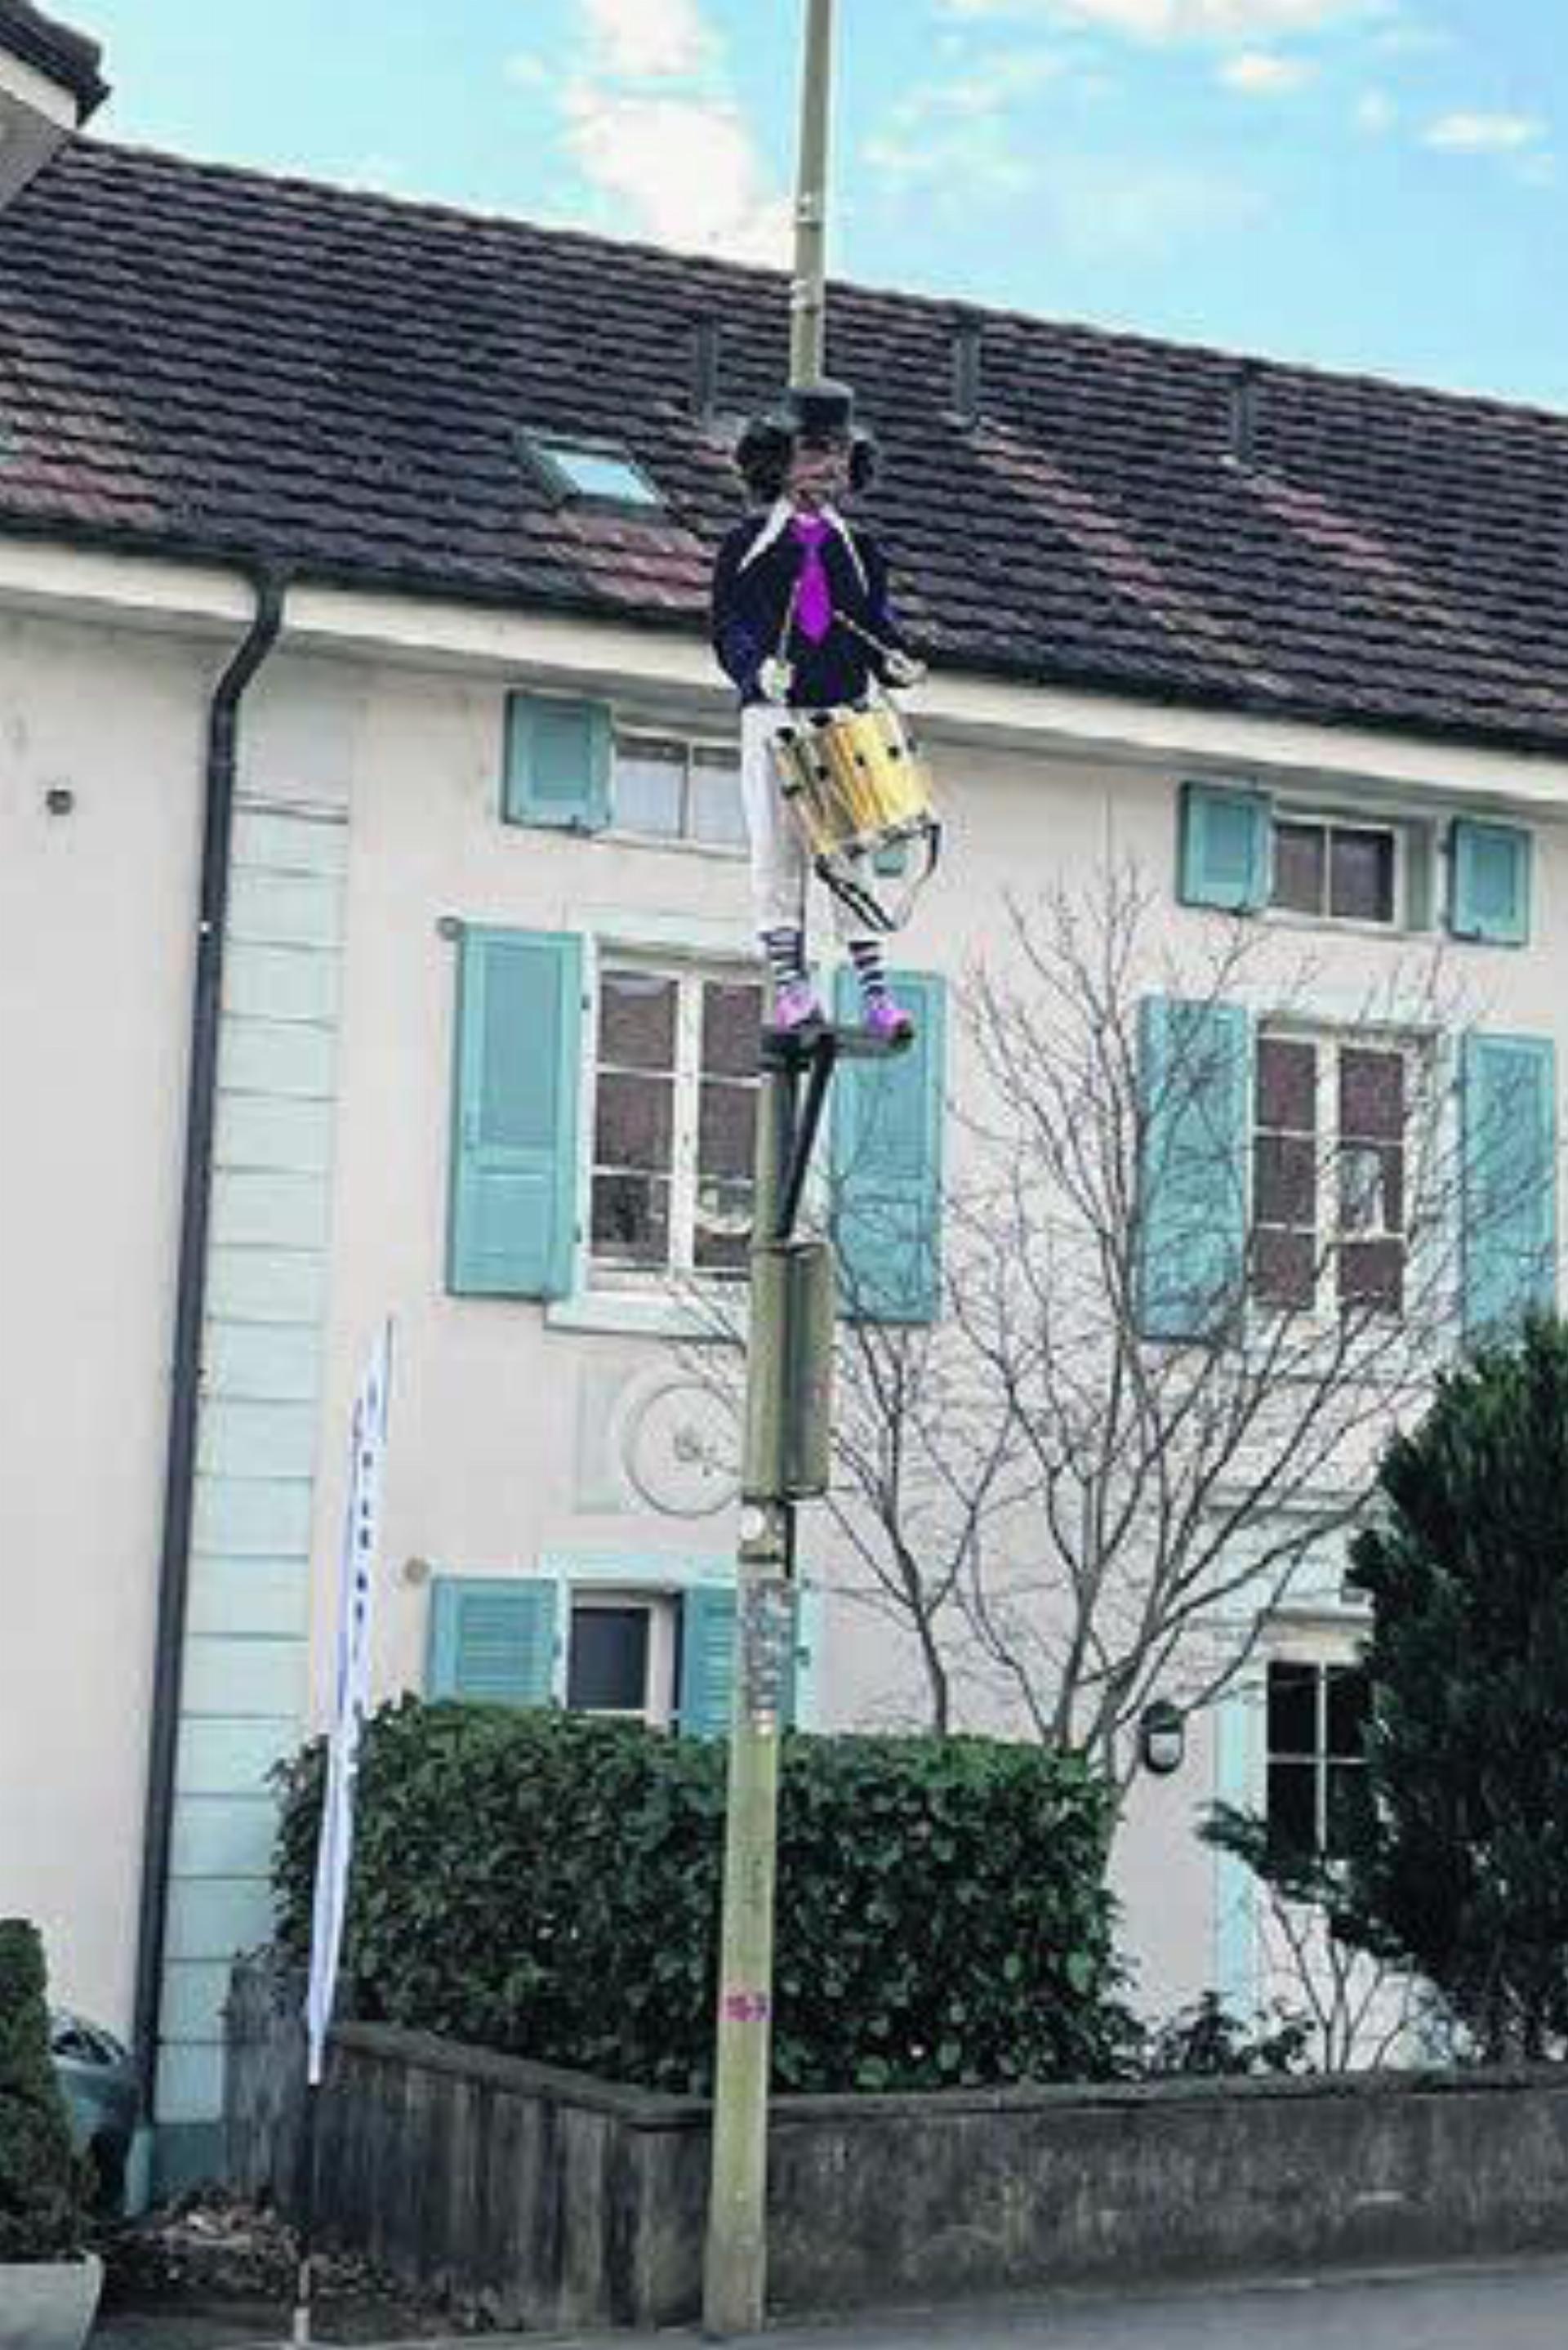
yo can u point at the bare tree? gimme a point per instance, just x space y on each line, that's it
1203 1255
1359 2010
1199 1254
923 1474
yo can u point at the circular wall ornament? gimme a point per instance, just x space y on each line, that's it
680 1448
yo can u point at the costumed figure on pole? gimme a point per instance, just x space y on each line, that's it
831 781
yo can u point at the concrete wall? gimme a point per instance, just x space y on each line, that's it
563 2201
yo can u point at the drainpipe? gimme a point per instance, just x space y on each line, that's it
179 1480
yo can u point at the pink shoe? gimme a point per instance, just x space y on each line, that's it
888 1021
796 1005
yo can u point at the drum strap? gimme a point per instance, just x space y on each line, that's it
863 903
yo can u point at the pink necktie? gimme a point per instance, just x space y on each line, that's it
813 598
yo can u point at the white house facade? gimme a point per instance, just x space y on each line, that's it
470 1045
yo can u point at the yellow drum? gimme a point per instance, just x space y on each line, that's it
861 794
855 780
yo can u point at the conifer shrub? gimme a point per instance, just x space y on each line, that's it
548 1884
40 2181
1460 1870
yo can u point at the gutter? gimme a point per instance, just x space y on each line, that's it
191 1298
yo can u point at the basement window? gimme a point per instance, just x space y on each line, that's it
591 473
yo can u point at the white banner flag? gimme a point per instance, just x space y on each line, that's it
350 1694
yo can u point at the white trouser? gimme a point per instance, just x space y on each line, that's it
781 869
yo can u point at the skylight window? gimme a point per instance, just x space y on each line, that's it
594 472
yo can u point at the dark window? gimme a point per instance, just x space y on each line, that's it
1339 872
1316 1760
607 1670
1285 1184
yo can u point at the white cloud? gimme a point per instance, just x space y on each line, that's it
1492 134
647 40
650 119
987 89
965 164
1375 111
1262 73
680 171
526 70
1109 208
1402 39
1180 20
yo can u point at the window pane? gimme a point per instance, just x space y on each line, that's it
1293 1710
609 1664
726 1139
1371 1095
651 787
600 474
1361 876
635 1122
636 1021
1287 1085
731 1025
1349 1806
1284 1270
1293 1806
1346 1709
1287 1179
1372 1275
723 1225
1300 859
631 1220
1362 1188
717 816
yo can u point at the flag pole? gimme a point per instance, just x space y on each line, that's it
301 2333
350 1701
808 295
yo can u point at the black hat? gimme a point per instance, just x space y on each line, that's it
809 414
821 411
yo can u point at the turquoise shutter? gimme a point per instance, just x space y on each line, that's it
1508 1094
1195 1105
1226 856
707 1659
558 768
1488 882
887 1161
513 1225
491 1640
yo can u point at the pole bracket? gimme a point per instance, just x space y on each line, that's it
813 1053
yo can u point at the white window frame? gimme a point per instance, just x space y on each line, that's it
1415 866
628 731
1329 1041
690 974
661 1607
1321 1657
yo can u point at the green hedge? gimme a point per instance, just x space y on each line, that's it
41 2206
548 1884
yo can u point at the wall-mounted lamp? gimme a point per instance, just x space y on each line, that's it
1162 1738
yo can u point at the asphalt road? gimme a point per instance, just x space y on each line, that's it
1521 2307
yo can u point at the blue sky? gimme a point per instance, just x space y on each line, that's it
1377 185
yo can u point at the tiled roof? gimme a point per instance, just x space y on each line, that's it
200 360
69 58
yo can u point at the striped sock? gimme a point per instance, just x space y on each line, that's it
865 954
785 953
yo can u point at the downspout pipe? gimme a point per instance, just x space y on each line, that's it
270 588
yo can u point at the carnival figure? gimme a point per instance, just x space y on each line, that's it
802 625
